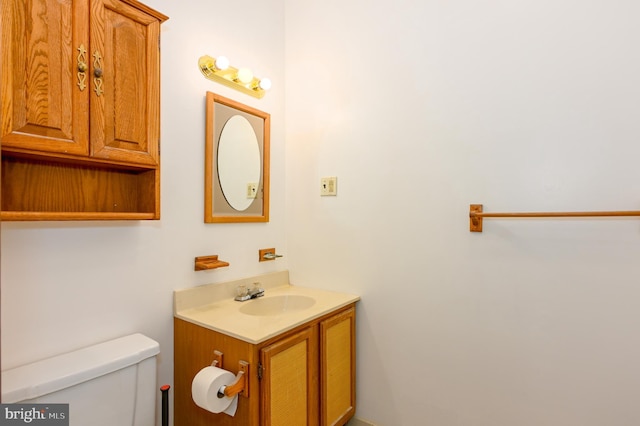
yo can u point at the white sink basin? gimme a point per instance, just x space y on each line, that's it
277 305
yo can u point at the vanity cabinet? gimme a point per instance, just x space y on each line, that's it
305 376
80 123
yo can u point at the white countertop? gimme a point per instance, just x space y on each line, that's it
213 307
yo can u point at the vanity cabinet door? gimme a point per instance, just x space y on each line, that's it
337 368
45 95
289 386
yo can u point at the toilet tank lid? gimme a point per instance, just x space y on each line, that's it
59 372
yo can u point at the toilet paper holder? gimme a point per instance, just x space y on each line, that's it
241 383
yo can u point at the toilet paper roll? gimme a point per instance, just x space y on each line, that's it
204 390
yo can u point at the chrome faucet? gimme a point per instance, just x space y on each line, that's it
243 294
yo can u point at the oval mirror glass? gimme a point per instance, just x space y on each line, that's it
239 162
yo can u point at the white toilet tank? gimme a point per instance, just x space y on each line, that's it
108 384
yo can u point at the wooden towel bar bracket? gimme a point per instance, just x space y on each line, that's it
476 214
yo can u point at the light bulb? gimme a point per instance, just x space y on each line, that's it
245 75
222 63
265 84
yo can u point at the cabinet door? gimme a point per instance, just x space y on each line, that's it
125 96
337 369
45 93
289 387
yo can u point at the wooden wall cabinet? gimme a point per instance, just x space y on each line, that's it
305 376
80 123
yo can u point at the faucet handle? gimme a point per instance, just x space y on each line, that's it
256 291
241 290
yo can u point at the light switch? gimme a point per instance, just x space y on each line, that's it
252 190
329 185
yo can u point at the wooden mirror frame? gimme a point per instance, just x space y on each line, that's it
216 207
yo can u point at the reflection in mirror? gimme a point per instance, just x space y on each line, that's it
236 162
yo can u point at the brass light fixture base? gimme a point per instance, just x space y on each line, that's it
228 77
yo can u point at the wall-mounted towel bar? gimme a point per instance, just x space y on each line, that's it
476 215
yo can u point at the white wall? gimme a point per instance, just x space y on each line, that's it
67 285
422 108
527 105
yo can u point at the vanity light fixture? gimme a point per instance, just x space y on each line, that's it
242 79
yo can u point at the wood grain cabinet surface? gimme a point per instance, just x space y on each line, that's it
305 376
80 123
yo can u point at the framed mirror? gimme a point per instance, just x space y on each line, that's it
236 162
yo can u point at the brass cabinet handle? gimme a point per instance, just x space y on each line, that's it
82 67
97 73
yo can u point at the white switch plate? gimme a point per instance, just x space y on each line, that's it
329 185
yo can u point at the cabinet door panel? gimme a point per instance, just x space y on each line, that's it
44 97
125 116
289 384
337 354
